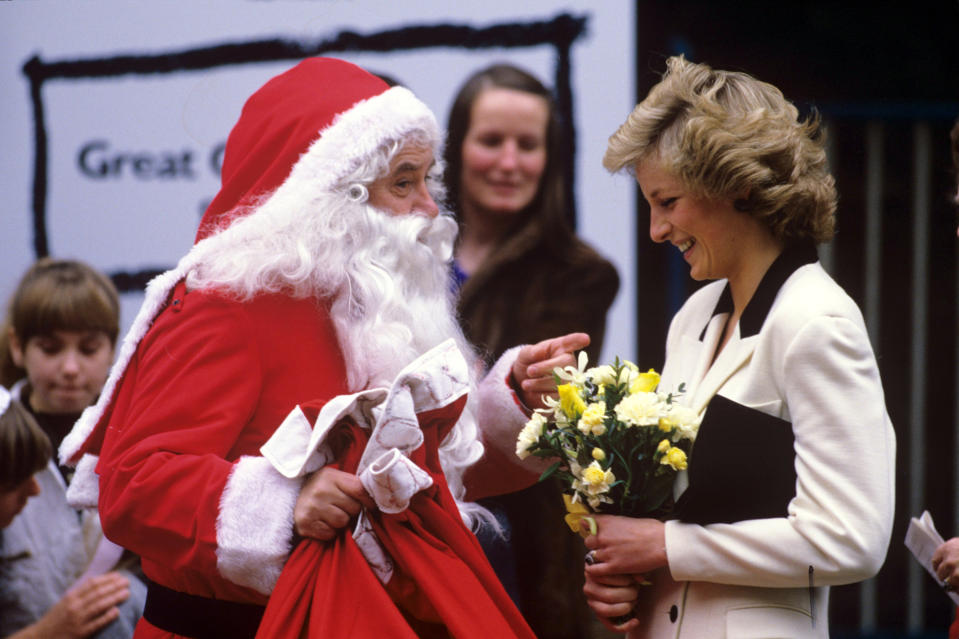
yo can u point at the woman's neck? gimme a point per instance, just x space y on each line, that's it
481 232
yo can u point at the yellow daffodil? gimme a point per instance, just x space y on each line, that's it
598 454
644 382
576 513
570 401
674 458
591 423
663 446
597 478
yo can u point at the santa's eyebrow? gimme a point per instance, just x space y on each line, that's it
412 166
407 166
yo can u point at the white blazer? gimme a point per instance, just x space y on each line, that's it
799 360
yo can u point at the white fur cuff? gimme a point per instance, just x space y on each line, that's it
502 414
254 528
84 488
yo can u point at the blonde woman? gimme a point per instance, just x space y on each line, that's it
774 354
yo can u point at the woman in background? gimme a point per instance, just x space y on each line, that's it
523 275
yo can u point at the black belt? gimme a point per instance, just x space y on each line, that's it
200 617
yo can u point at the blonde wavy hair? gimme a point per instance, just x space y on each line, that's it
727 135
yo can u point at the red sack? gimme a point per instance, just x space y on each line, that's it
442 584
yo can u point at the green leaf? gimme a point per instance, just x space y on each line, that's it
549 471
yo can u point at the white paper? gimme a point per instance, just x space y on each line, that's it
922 539
104 559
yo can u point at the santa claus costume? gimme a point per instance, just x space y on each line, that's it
286 301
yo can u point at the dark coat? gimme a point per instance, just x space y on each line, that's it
524 293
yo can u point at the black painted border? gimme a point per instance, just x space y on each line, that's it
560 32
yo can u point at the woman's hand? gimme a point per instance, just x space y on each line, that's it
84 610
626 546
612 597
945 561
329 499
533 368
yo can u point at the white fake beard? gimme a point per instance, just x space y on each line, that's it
398 302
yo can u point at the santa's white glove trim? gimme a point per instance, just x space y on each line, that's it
254 531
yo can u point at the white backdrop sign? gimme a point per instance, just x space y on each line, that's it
114 114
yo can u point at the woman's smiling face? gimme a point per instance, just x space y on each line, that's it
709 233
504 152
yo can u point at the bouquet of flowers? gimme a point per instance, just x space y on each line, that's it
618 441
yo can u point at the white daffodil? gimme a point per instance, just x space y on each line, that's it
554 409
628 373
574 374
604 375
594 482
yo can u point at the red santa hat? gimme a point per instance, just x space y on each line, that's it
305 129
325 116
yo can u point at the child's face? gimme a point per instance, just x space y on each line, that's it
12 501
66 369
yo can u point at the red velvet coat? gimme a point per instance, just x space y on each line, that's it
208 384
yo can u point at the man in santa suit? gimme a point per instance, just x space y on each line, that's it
320 270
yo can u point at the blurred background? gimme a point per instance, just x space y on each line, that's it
113 115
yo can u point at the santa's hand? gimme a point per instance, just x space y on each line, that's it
533 368
329 499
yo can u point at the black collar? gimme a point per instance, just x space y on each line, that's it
792 257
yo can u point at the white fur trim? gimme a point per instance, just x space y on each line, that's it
157 292
502 415
254 528
84 488
4 400
355 135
